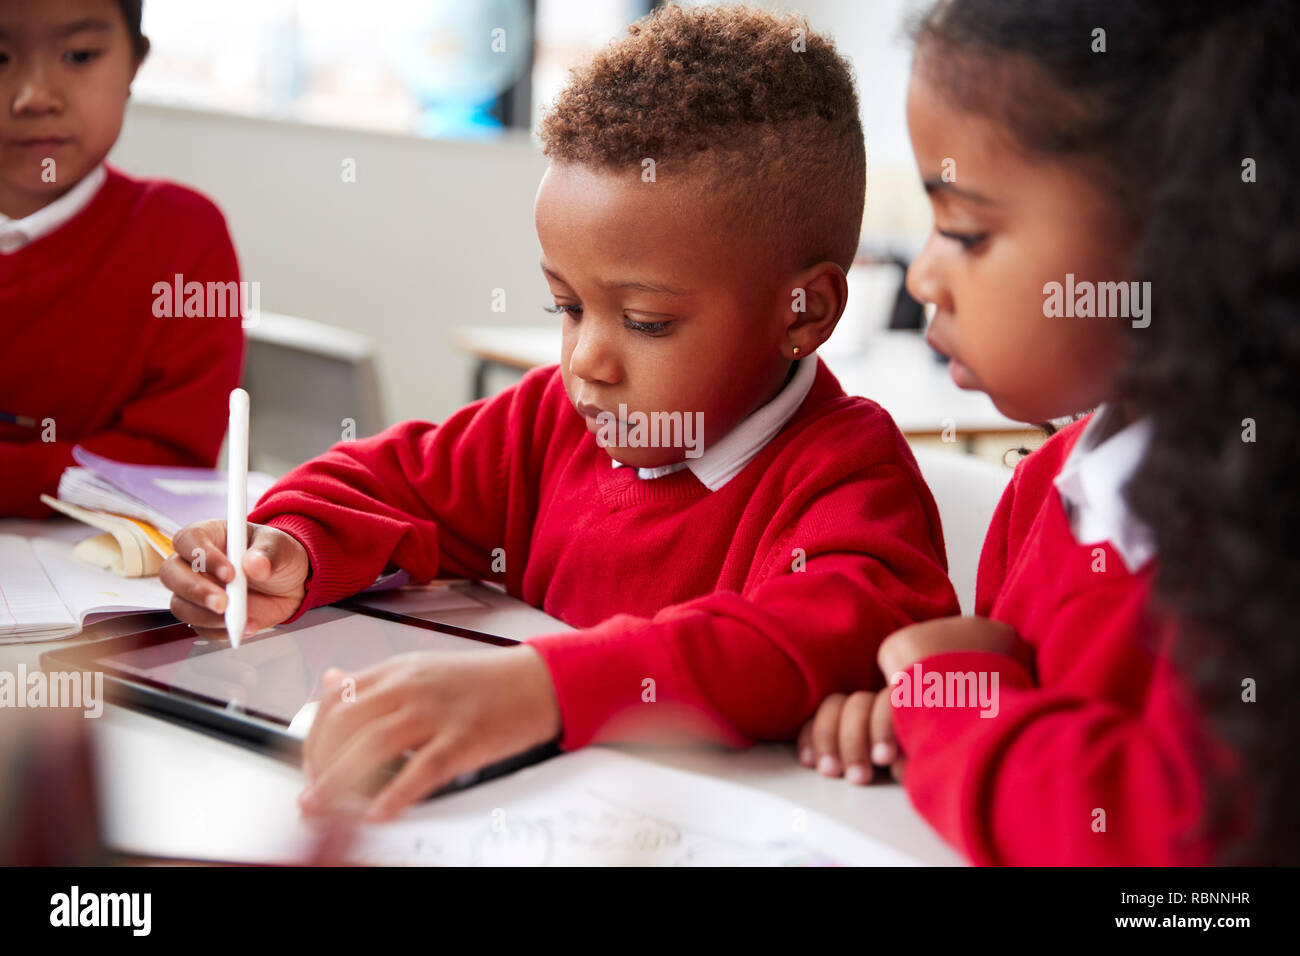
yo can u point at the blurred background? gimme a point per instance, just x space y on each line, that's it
263 104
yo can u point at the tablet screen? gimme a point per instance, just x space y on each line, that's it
277 674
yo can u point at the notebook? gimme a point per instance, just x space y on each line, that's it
166 497
140 507
46 592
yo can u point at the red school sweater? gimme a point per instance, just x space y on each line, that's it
80 344
725 615
1100 722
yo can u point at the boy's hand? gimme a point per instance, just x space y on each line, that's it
457 712
849 734
276 566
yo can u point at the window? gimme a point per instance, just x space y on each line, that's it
442 68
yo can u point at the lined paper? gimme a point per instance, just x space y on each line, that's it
46 592
84 589
30 606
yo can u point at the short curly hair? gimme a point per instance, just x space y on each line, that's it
755 103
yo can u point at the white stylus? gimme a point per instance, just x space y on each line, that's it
237 514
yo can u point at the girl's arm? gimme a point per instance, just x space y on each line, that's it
1059 776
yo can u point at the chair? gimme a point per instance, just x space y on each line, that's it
305 380
967 490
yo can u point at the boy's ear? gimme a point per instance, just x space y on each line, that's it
816 298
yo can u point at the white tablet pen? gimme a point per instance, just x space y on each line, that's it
237 514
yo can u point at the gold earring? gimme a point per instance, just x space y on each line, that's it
796 351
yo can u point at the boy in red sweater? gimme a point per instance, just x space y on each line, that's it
88 355
703 203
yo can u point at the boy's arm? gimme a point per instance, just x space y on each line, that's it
423 497
1057 777
177 418
739 667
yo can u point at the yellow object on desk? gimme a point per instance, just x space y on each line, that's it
129 546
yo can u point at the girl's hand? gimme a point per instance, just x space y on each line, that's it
276 566
916 642
457 711
850 734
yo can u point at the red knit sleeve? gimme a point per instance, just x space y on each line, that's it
420 496
1016 511
1053 777
179 414
992 570
739 667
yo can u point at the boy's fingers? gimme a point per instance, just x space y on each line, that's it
194 614
267 610
198 589
204 542
338 689
826 735
275 558
855 736
337 720
884 748
432 766
370 747
257 564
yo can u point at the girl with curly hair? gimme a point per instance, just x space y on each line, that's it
1134 618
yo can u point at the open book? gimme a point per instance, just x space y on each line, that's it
140 507
46 592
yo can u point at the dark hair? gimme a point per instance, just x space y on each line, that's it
766 105
1218 376
133 13
1184 95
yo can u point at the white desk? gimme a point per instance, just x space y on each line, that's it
147 763
895 369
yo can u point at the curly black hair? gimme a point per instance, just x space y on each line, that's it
757 102
1218 378
1192 119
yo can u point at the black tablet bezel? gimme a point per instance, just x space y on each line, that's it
263 733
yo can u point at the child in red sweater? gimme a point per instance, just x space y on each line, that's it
702 206
1122 721
89 356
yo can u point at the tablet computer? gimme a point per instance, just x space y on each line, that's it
264 694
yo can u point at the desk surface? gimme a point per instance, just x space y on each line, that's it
148 754
896 369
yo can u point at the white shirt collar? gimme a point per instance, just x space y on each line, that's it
16 233
723 460
1091 485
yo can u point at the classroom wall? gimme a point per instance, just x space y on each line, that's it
410 250
416 245
871 35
